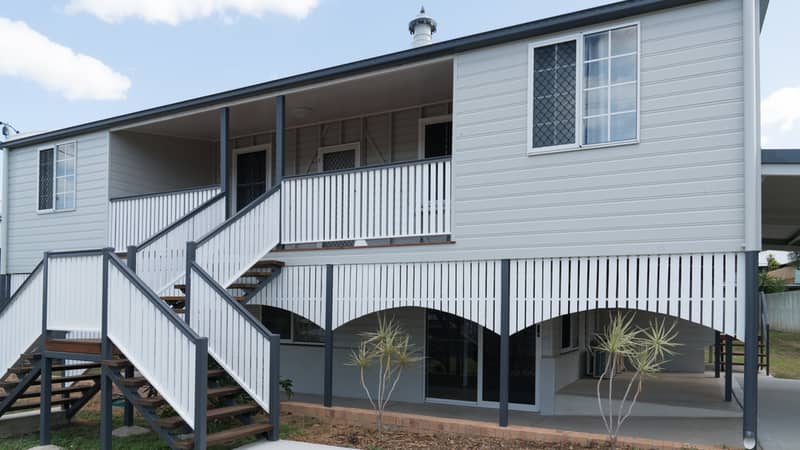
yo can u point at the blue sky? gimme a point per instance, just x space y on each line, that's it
138 59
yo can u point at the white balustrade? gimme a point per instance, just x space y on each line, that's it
16 281
241 241
404 200
161 261
75 292
132 220
154 340
236 340
21 321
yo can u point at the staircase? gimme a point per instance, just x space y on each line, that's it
21 385
252 281
738 353
230 416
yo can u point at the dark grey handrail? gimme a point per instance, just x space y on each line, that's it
154 299
73 253
233 303
371 167
235 218
157 194
181 221
21 287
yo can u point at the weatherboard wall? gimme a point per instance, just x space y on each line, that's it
680 189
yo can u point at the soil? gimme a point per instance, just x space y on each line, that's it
307 429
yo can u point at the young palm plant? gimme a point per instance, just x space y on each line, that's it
389 351
644 350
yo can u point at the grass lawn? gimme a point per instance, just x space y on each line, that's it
784 354
84 434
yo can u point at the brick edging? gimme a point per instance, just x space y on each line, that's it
432 424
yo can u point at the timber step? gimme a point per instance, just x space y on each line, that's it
54 380
54 391
35 404
182 287
256 274
226 436
217 413
269 263
182 298
17 370
141 381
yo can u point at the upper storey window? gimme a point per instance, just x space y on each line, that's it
584 90
56 178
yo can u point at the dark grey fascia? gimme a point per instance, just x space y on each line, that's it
586 17
780 156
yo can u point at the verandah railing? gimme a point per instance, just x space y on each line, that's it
406 199
133 219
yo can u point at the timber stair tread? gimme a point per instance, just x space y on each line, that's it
54 391
141 381
269 263
216 413
256 274
224 391
17 370
182 298
35 404
54 380
225 436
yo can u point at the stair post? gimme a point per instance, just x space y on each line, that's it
751 357
106 385
505 354
728 368
127 419
717 354
201 394
191 252
46 366
274 393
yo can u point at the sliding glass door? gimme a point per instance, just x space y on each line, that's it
463 362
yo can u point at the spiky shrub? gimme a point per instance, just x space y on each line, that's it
389 351
644 350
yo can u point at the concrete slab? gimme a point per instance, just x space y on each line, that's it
46 447
286 445
129 431
26 422
778 412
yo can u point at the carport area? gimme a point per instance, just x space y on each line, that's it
780 208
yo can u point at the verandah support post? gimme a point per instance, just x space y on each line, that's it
201 394
717 353
46 367
751 321
327 399
728 368
280 134
505 280
105 377
224 158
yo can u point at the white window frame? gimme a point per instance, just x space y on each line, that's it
54 148
322 151
579 38
422 129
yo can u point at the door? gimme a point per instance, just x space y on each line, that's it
251 174
435 137
522 374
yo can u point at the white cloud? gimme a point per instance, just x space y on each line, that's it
29 54
173 12
782 108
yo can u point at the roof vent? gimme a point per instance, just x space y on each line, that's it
422 28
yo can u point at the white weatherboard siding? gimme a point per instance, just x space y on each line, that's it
30 234
142 163
680 190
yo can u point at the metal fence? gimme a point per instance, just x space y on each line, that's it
783 310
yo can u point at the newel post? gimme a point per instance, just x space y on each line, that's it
224 158
46 365
201 393
280 137
127 417
105 350
274 388
327 399
191 253
505 281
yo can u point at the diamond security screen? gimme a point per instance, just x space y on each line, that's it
554 84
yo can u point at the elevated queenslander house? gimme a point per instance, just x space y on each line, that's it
499 194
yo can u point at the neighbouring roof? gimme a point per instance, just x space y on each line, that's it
613 11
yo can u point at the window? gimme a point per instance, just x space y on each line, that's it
594 102
569 332
291 327
339 157
56 183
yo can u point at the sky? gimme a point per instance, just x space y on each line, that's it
66 62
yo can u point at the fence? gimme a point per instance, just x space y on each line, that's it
783 310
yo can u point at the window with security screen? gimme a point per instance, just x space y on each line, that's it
584 90
554 94
56 178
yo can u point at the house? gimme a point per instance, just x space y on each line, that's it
499 194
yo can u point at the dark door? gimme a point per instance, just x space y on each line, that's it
452 357
251 177
438 139
522 382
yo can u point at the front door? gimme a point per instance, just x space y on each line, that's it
251 174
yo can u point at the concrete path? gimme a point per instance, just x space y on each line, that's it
287 445
778 413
